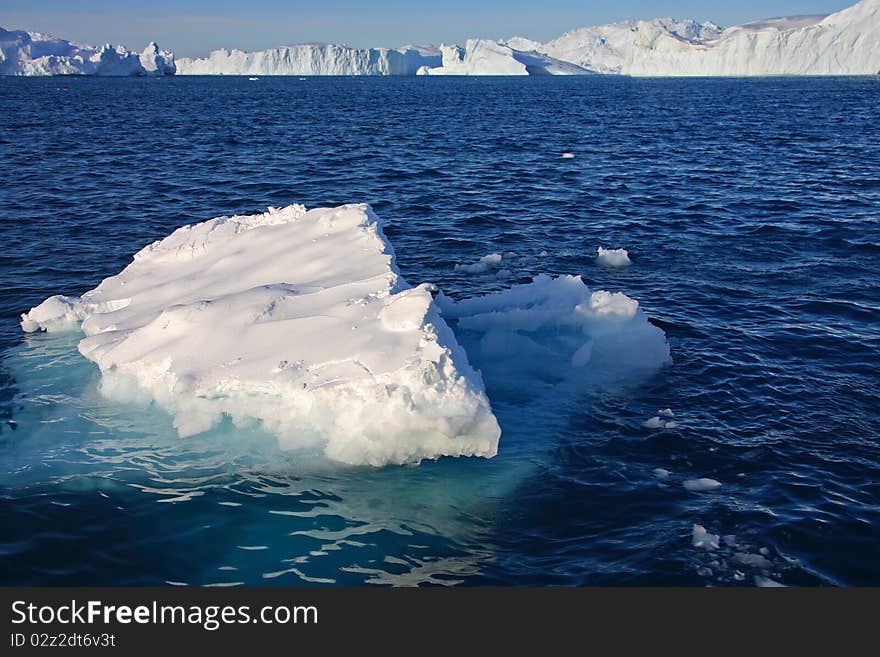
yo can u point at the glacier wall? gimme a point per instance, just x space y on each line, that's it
312 59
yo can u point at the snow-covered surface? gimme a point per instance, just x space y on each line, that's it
313 59
32 53
297 319
487 57
613 257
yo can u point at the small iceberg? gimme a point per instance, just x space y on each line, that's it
298 319
613 257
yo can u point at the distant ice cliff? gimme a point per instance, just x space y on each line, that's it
843 43
32 53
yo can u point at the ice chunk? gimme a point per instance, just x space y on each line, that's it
766 582
485 263
703 539
554 331
661 473
613 257
702 484
298 319
567 156
666 412
312 59
654 423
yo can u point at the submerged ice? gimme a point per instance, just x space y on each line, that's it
301 321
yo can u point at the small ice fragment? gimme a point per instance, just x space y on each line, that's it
654 423
754 560
766 582
613 257
701 484
666 412
253 79
567 155
739 576
661 473
485 263
703 539
764 551
672 425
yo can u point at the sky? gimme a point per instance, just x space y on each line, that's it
199 26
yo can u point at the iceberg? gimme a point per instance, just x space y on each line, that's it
33 53
296 319
605 48
487 57
844 43
313 59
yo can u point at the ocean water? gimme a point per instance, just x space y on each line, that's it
751 212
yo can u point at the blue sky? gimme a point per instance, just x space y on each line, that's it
194 28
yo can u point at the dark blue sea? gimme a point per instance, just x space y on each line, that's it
750 210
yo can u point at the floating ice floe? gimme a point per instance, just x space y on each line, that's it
555 330
567 156
613 257
702 484
298 319
703 539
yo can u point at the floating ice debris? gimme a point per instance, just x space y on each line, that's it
703 539
201 319
554 331
253 79
567 156
661 473
613 257
702 484
656 423
485 263
754 560
766 582
666 412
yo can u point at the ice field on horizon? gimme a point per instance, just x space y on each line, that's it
846 42
300 320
